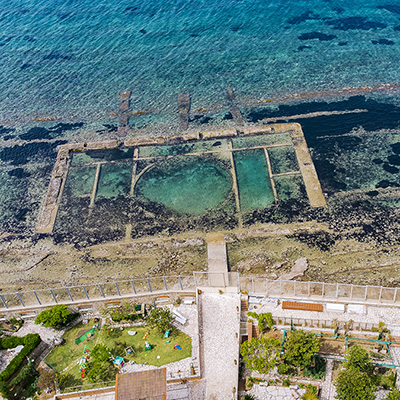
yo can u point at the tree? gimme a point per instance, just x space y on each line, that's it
393 395
54 317
300 348
260 354
100 368
100 353
359 358
352 383
160 318
100 371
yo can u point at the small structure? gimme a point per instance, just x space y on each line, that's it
119 362
149 385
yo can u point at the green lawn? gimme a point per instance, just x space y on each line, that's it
67 355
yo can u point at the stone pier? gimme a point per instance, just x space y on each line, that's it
307 168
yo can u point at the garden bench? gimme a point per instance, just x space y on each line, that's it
291 305
179 317
188 299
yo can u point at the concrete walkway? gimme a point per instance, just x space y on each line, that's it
327 388
219 343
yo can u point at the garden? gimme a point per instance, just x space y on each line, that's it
297 357
90 353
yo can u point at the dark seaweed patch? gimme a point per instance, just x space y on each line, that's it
306 16
396 28
393 8
317 35
50 133
21 214
383 41
336 124
377 161
4 130
110 154
36 133
385 184
390 168
301 48
345 24
394 159
19 173
323 240
55 56
339 10
201 119
227 116
131 9
343 43
8 137
17 155
29 39
395 147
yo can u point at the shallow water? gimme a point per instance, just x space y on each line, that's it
189 185
71 60
254 184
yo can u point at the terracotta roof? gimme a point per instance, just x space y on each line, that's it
144 385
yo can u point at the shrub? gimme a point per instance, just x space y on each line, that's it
393 395
300 348
286 382
260 354
160 318
318 370
46 379
359 358
265 320
283 369
54 317
29 341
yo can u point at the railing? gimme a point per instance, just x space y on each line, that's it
100 291
253 285
320 290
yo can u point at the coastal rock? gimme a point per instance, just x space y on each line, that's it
299 268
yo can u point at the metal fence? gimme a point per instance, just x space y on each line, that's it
100 291
319 290
253 285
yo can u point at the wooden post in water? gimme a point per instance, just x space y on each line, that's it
124 105
184 104
234 109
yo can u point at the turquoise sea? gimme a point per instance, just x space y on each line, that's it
73 58
70 60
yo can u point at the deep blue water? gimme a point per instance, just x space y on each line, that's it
72 58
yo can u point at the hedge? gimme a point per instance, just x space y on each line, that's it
30 342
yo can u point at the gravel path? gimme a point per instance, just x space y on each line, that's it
220 343
327 384
275 393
